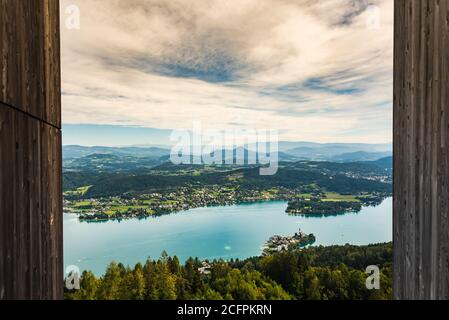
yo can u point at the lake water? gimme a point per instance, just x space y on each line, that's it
237 231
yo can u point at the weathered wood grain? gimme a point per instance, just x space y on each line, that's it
30 57
31 258
421 229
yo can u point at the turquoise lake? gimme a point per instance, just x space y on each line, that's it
237 231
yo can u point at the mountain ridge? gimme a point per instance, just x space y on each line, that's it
288 151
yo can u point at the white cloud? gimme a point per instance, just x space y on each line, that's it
309 68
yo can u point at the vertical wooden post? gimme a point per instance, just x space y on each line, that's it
31 259
421 141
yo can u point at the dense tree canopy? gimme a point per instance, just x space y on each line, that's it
317 273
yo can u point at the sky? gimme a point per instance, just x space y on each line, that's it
315 70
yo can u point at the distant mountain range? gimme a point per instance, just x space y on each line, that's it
74 151
147 156
339 152
336 147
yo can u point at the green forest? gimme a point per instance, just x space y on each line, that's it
315 273
333 177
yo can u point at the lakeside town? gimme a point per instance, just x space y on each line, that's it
167 202
318 207
274 245
285 243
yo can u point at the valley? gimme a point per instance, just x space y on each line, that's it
96 191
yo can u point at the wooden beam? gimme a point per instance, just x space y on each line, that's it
421 172
31 258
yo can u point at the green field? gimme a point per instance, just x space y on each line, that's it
78 192
84 205
332 196
126 208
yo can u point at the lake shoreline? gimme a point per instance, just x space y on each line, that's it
313 207
231 232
